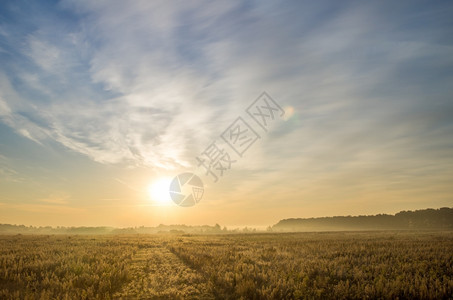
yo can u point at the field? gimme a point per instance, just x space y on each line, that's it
403 265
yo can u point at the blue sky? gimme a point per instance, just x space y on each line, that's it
98 99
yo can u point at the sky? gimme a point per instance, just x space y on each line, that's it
103 103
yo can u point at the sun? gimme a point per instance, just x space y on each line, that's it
158 191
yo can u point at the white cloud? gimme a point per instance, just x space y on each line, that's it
159 80
45 55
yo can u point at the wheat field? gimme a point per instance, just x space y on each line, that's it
342 265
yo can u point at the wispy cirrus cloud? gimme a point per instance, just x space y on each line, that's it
137 101
152 83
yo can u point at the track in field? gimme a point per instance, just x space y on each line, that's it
159 274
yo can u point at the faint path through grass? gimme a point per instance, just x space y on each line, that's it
159 274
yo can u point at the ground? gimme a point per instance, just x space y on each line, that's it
248 266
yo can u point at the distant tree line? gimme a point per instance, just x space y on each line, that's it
22 229
426 219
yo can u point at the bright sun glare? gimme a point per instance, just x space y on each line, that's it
159 191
